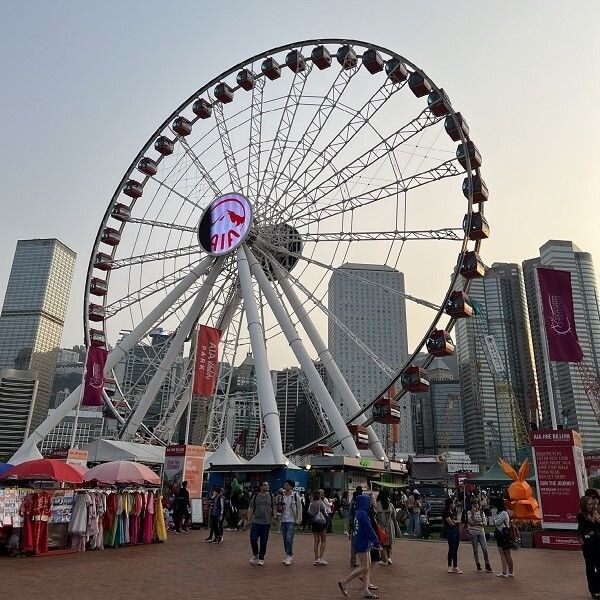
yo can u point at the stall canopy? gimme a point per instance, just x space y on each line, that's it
109 450
495 476
223 455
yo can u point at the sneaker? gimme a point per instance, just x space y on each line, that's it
501 574
288 561
478 568
261 562
208 540
254 560
323 562
458 571
488 569
511 574
390 561
450 570
316 562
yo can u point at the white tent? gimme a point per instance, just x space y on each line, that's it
107 450
266 457
223 455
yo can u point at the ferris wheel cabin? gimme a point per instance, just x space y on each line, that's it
439 343
103 262
454 125
360 435
96 312
472 267
387 411
476 226
414 379
459 305
473 154
419 85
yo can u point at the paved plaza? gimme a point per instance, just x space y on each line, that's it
185 568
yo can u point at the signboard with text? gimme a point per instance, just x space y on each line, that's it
185 463
560 474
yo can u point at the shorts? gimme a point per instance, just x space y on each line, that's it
318 527
502 539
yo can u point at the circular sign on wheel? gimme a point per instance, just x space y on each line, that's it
225 224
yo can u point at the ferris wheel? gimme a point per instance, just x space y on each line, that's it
243 203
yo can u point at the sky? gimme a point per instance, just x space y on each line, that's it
84 85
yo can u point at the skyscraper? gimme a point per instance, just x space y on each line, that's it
369 331
573 407
496 396
33 314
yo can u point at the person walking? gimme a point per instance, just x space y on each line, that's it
502 535
451 529
243 505
181 508
588 529
476 520
290 516
217 513
212 533
350 525
317 512
364 538
386 517
261 514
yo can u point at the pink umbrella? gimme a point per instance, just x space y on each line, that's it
122 472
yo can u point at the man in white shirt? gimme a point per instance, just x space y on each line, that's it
290 507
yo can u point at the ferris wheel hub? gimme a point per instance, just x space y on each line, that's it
282 242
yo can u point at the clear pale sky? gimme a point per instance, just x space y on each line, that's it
84 84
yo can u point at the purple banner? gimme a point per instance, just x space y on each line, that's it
94 377
559 318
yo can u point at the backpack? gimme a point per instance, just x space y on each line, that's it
513 534
320 517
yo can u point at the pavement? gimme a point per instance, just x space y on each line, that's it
186 568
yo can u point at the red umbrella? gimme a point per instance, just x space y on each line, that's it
43 469
122 472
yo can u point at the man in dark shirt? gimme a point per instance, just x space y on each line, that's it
181 510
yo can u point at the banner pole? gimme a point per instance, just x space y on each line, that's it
81 389
545 354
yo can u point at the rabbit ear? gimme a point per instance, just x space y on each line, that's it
508 469
524 470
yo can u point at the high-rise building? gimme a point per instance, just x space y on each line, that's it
289 394
573 408
17 398
495 395
368 302
439 425
33 314
90 424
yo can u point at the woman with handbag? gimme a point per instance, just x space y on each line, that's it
364 538
386 518
317 513
502 535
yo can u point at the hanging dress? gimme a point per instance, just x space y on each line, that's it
117 528
26 512
149 519
159 520
134 517
78 525
109 519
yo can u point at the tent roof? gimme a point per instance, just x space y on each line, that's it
223 455
497 476
108 450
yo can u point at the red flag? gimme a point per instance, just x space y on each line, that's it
559 318
94 377
207 357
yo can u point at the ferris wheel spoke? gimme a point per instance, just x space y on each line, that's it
256 117
307 140
161 224
174 191
442 171
155 256
227 147
374 236
384 148
148 290
280 142
135 419
358 120
201 168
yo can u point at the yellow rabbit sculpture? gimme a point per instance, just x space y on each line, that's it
522 503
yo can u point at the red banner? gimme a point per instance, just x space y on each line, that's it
560 474
94 377
207 357
559 318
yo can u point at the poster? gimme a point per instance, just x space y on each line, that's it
560 474
62 506
185 463
94 377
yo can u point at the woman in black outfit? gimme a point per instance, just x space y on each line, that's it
451 524
588 530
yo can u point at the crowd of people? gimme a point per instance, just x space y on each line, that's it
373 521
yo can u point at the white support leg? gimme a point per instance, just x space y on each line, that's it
183 331
307 365
130 340
339 382
266 395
